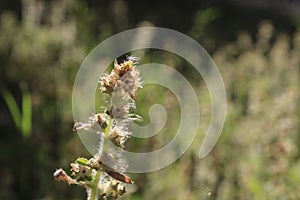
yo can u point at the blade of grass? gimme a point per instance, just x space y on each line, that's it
26 121
13 107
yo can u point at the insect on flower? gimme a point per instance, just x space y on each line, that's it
102 175
116 175
97 164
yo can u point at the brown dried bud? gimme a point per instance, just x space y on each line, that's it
61 175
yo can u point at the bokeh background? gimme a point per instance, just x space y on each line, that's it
255 44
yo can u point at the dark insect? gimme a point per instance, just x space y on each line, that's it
96 164
119 177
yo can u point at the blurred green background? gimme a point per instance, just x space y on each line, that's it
255 44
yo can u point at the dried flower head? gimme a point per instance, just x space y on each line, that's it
126 72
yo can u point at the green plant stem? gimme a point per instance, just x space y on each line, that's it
94 195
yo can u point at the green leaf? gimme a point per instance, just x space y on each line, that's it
82 161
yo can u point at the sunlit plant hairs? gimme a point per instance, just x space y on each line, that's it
111 125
